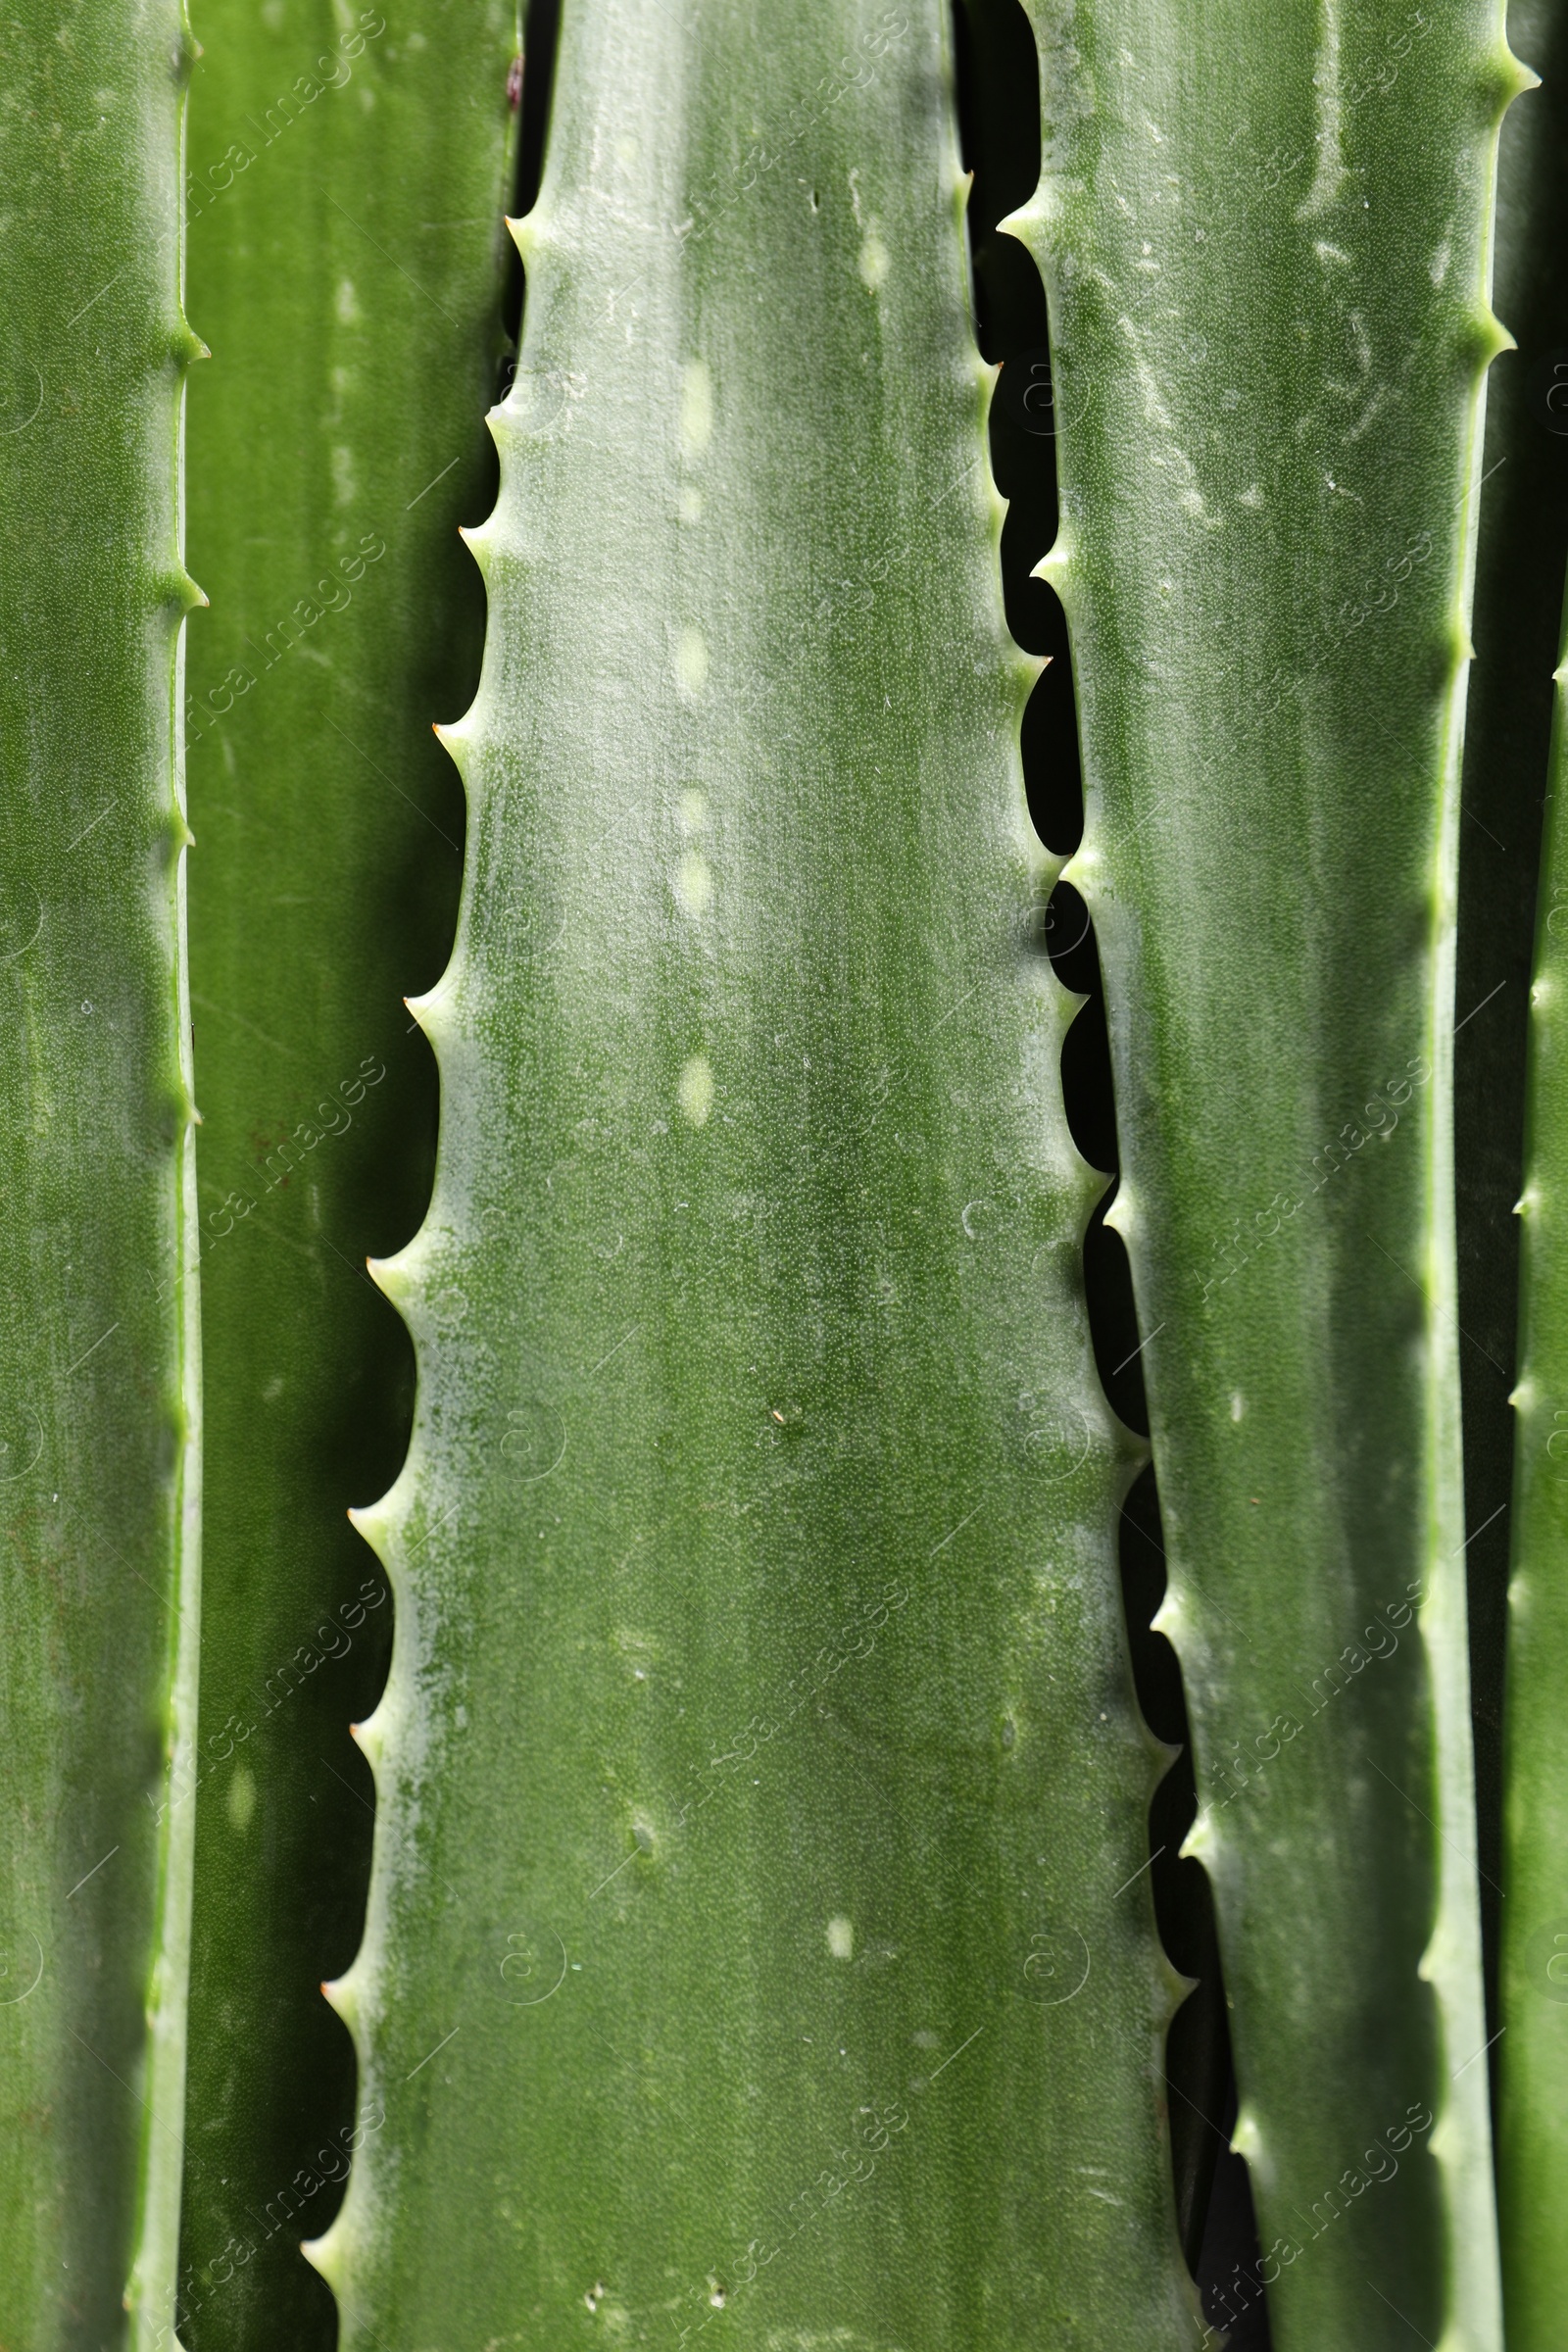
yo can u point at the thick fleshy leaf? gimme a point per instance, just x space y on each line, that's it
1265 241
760 1939
99 1365
348 173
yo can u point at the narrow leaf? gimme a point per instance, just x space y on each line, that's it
1266 250
1532 2112
348 176
98 1366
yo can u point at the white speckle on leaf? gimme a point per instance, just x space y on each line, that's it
696 407
694 1092
691 660
1330 170
241 1803
693 883
874 261
1238 1406
841 1937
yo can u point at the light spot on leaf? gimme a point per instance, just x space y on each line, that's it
693 883
691 660
696 1090
696 407
241 1799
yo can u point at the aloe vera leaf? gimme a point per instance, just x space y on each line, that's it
1520 557
1266 250
760 1935
346 262
1533 2053
1523 747
99 1364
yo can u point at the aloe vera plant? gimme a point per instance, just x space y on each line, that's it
1268 272
99 1347
348 177
760 1838
761 1933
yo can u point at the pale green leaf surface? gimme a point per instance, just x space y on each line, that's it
98 1354
1266 240
760 1943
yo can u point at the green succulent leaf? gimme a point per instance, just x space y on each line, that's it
1520 554
349 171
1509 1277
99 1364
1532 2127
1267 261
759 1940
